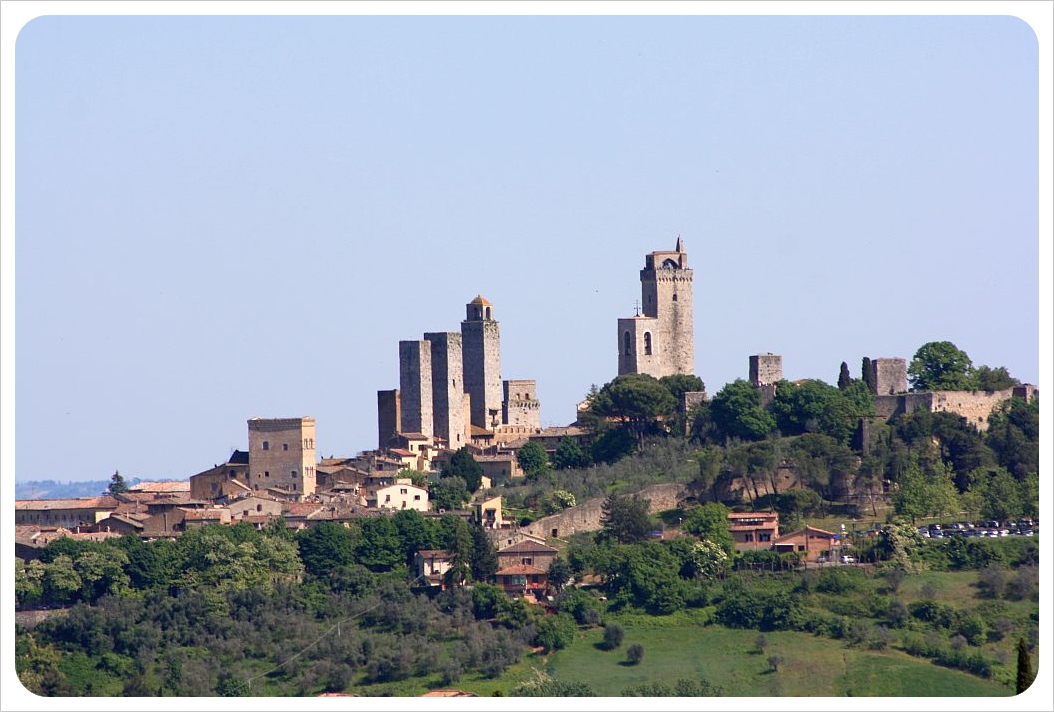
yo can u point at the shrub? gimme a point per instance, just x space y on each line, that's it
774 662
635 653
613 635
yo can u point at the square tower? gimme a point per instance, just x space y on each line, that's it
481 362
891 375
520 405
415 387
766 369
389 417
448 388
661 340
282 454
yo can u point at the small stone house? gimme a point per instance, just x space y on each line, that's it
811 542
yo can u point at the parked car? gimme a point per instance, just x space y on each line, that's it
924 532
821 559
846 559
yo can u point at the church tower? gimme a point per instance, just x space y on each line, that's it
660 340
481 359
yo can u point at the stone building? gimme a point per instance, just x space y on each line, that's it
890 375
282 455
450 389
660 339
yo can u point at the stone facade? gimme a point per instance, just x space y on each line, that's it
890 375
282 455
389 417
520 405
660 340
451 390
765 369
448 388
586 516
415 387
975 406
481 360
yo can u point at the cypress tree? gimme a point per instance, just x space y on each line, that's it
868 374
844 379
1024 666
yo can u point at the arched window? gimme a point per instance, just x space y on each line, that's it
647 343
669 264
488 313
626 343
675 296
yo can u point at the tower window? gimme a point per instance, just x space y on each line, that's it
675 296
625 347
285 446
266 445
488 313
647 343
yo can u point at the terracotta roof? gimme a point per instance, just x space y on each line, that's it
103 502
526 546
182 486
481 301
300 509
448 693
519 569
435 553
806 530
401 452
751 515
203 514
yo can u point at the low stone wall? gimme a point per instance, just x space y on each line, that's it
586 516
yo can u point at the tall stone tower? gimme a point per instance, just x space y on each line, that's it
282 454
415 387
481 363
448 388
521 407
660 340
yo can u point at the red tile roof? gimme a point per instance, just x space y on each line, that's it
519 570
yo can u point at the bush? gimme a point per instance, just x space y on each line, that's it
613 635
635 653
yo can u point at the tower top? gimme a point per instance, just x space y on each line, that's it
680 245
479 309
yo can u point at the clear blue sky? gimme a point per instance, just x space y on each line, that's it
227 217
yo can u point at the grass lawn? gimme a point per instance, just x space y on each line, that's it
812 666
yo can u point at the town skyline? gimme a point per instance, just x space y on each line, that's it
249 231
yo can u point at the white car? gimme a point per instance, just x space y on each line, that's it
846 559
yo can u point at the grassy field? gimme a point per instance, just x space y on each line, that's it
728 658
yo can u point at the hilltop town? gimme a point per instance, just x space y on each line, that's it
466 490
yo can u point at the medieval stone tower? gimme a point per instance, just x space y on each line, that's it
660 340
448 388
481 358
282 454
415 387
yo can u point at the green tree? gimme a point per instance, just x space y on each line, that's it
844 379
1013 435
1000 494
532 459
117 484
613 635
557 501
736 412
61 582
635 654
991 379
463 465
102 572
637 400
484 555
710 522
940 366
559 573
324 547
625 519
448 493
815 407
378 546
415 532
1024 667
29 586
569 455
867 374
613 444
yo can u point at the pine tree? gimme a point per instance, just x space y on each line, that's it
117 484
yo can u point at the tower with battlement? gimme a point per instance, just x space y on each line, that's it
660 339
282 455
